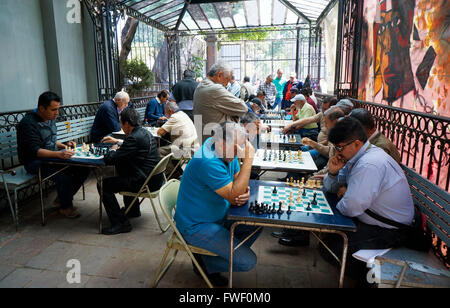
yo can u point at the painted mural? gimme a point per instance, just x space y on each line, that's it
406 54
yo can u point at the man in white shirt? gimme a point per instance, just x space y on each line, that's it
183 136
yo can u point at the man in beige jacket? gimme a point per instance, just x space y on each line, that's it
214 103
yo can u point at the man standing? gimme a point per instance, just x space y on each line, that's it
271 91
107 118
134 161
212 181
213 102
288 86
247 89
183 93
279 85
36 139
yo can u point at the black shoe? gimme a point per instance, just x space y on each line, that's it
216 279
285 233
118 228
294 242
131 213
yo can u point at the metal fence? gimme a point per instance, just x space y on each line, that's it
421 138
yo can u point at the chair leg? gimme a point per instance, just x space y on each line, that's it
9 201
16 203
205 278
162 271
84 193
157 218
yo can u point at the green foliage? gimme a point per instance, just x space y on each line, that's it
233 36
196 64
136 76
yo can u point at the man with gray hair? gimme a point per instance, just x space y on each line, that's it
346 105
183 136
212 100
107 118
212 181
271 92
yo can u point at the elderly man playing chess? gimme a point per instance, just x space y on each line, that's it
36 139
212 181
183 136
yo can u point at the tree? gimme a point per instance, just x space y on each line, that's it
137 76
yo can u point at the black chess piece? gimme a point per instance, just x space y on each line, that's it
289 210
304 192
308 208
274 210
314 201
274 191
251 207
280 211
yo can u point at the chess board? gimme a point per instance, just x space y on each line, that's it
278 137
98 153
266 195
270 159
277 122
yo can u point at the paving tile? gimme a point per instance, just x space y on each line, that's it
51 279
19 250
5 270
19 278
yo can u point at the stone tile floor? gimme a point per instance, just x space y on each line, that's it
37 256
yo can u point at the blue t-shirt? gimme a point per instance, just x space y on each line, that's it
198 201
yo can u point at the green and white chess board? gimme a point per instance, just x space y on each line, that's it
266 195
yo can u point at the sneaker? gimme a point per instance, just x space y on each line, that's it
70 212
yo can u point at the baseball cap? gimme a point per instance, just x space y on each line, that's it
298 97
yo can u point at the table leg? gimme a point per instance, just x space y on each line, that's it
230 278
41 196
344 258
100 209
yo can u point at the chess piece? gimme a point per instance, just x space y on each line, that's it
314 201
274 191
304 192
280 211
289 210
251 207
308 208
274 210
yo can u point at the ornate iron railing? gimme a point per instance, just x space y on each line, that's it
421 138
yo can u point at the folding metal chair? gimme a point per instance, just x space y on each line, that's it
145 192
167 200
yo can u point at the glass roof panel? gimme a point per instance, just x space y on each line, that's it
189 22
224 10
227 14
291 17
210 13
165 12
197 14
265 12
182 27
251 9
279 12
238 14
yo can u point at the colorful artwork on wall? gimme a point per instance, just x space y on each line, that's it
405 58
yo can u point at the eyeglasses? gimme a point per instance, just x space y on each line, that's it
341 148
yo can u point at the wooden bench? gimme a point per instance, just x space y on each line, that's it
410 268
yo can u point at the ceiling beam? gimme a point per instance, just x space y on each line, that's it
183 12
294 9
325 12
141 17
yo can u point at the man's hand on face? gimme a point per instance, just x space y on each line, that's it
335 164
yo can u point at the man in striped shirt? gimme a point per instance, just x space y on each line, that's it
271 91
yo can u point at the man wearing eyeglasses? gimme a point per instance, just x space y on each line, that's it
375 184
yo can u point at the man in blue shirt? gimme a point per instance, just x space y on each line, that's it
155 108
375 183
107 118
211 182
